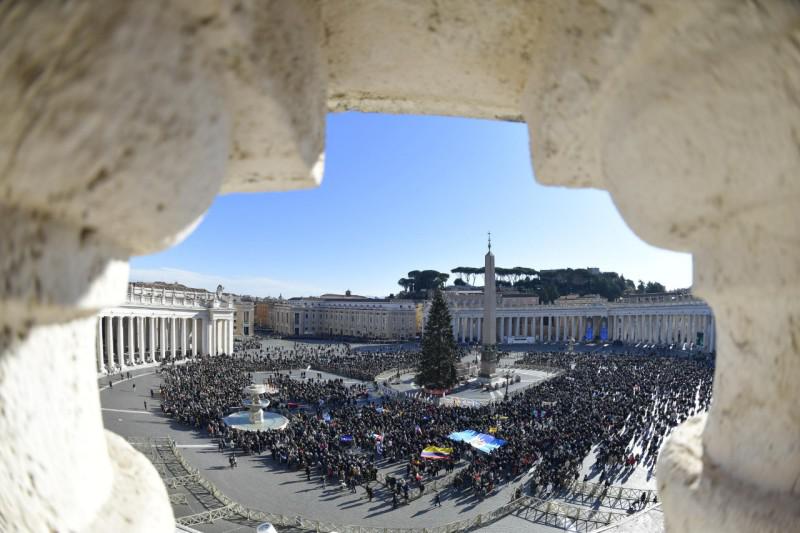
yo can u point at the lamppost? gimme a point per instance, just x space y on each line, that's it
507 375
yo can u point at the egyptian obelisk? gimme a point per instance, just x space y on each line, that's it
489 333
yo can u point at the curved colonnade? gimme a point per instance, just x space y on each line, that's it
158 324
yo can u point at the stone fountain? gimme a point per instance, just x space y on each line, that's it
255 418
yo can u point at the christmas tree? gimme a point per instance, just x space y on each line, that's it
437 366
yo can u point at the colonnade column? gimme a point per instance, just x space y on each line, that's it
212 336
184 338
131 341
140 338
162 338
109 344
195 336
99 344
173 322
120 360
230 336
151 342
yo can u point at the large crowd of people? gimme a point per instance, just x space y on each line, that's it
616 409
340 359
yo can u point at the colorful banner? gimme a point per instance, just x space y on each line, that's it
481 441
436 453
486 443
589 332
463 436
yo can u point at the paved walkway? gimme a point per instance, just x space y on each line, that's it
260 484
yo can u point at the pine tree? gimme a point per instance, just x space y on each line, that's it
437 368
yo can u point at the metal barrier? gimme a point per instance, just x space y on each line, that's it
393 372
559 514
613 497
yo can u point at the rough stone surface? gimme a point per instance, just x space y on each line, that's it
136 487
122 121
270 59
703 497
54 465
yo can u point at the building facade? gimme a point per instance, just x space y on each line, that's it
244 318
345 316
660 319
162 321
263 309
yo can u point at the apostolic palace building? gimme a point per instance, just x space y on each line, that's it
346 315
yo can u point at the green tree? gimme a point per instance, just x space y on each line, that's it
654 286
437 365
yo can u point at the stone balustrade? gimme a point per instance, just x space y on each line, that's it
122 121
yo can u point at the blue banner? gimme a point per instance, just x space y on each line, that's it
589 332
604 333
463 436
486 443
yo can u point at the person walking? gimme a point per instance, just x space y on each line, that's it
437 500
145 405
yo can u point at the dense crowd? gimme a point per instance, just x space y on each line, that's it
619 408
339 359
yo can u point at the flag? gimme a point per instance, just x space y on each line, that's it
435 452
493 430
346 438
418 429
486 443
462 436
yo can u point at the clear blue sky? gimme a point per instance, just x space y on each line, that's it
403 193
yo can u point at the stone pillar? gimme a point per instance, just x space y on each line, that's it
211 336
120 342
162 337
230 336
184 338
98 347
669 329
139 323
109 344
703 115
131 342
195 336
173 336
